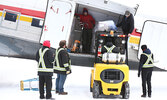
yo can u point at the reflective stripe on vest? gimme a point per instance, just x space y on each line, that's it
109 50
57 67
149 58
41 61
68 64
45 69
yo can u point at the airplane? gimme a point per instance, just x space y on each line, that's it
25 24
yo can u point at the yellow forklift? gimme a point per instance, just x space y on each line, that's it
110 75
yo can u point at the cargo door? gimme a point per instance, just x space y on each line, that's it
154 35
58 21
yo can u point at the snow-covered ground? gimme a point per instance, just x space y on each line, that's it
13 70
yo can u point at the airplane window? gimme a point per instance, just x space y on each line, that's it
36 23
11 17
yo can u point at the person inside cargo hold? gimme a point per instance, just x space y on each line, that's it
88 24
127 23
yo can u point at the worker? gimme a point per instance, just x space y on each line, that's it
127 23
45 58
88 25
109 48
146 67
62 67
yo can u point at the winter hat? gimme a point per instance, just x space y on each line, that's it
109 44
143 47
85 10
46 43
127 13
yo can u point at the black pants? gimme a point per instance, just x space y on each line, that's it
42 81
86 40
146 78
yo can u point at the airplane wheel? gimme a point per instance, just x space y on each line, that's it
125 91
96 89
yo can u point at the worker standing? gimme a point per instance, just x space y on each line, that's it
146 67
88 24
45 58
62 67
127 23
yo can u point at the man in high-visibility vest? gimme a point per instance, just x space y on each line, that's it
45 59
146 67
109 48
62 67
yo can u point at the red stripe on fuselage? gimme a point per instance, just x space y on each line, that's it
23 11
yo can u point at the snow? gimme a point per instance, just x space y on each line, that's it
13 70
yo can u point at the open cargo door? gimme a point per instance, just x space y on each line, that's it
58 20
154 35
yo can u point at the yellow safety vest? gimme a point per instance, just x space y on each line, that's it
57 66
41 61
109 50
149 58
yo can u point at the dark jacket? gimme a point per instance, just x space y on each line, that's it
48 59
87 20
109 44
143 59
63 58
127 24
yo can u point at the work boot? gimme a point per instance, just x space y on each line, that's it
63 93
143 96
57 92
42 97
51 99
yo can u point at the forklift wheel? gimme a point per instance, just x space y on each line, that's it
90 83
125 90
96 89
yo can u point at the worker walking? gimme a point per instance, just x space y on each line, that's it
146 67
61 67
45 57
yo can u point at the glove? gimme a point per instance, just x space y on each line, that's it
138 74
67 72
